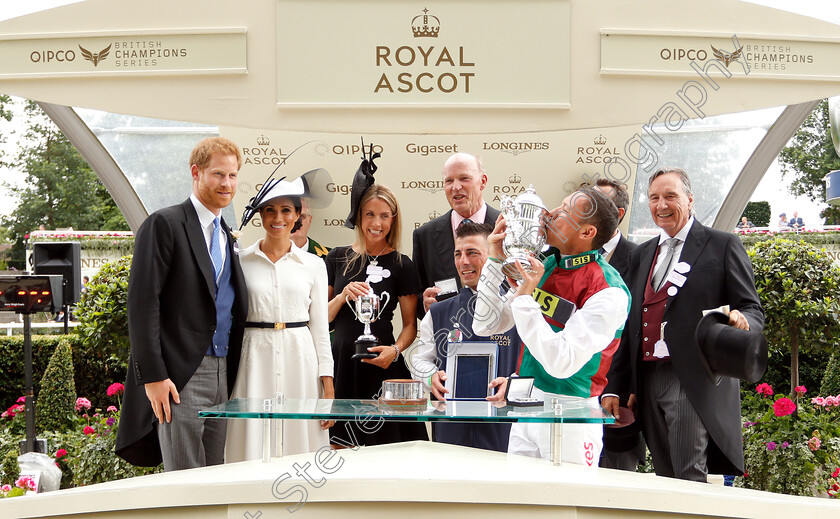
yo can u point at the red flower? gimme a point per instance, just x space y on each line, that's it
836 472
115 389
764 389
784 406
88 430
800 390
21 400
60 453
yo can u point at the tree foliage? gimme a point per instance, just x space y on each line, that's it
57 397
60 189
102 312
810 157
758 213
798 287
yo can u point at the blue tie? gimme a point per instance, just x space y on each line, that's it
216 249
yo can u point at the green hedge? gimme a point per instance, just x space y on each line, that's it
814 238
94 371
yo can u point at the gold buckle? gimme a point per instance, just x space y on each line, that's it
279 326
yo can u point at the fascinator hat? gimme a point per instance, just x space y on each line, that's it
362 181
312 185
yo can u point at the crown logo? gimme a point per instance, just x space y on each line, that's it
515 179
262 140
600 140
433 215
425 25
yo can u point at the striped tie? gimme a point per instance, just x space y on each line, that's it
658 278
216 249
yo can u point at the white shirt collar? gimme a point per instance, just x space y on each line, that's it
205 216
295 252
612 244
682 235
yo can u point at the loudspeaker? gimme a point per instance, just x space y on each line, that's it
62 258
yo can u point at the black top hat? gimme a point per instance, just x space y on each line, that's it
729 351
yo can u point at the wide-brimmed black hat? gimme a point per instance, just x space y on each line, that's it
729 351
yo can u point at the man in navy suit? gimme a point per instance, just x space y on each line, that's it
449 323
624 447
464 180
187 304
691 425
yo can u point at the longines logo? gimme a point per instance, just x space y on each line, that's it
262 153
95 57
137 54
432 186
516 148
333 222
432 58
597 153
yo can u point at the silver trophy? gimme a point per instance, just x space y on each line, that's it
368 308
525 233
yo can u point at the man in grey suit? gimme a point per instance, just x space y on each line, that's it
464 180
691 425
187 305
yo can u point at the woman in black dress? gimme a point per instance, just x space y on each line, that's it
372 262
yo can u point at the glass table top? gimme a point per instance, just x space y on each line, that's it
556 409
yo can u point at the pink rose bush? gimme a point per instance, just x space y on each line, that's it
791 445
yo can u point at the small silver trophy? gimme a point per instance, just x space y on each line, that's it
525 232
368 308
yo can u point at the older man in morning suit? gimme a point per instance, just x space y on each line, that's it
691 425
434 242
187 303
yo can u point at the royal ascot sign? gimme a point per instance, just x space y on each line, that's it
656 54
458 53
220 51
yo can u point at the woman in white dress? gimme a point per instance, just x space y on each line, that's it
285 285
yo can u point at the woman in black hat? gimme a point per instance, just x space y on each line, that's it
372 262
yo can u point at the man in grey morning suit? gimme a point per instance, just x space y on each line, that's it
464 180
691 425
187 303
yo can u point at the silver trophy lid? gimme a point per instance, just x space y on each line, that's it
530 197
